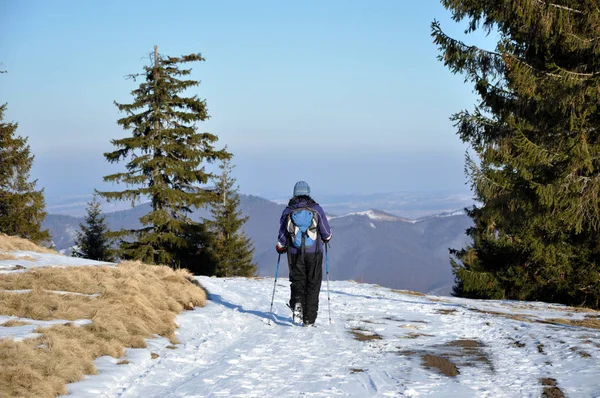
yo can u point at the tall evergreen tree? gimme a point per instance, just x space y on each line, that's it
166 156
21 205
93 241
232 249
536 136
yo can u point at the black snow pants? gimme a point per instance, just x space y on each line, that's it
306 274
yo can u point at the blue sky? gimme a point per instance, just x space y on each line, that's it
347 95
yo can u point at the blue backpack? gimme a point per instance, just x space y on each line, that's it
302 227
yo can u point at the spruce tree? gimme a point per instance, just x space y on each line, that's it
21 205
232 249
535 133
166 158
93 241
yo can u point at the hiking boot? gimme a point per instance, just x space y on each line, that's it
297 312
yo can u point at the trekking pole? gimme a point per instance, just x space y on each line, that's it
327 272
274 285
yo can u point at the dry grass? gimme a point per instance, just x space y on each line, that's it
443 365
409 292
413 335
12 243
591 323
365 335
5 256
14 323
550 388
136 302
445 311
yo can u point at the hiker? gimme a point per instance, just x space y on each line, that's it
303 230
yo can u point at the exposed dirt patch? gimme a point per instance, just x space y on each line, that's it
550 388
365 335
14 323
172 347
437 300
413 335
584 354
540 348
467 352
17 268
445 312
516 317
123 362
588 322
453 356
356 370
518 344
409 292
465 344
445 366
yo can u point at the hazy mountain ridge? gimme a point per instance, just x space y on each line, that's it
371 245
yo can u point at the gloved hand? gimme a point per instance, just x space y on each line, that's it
280 248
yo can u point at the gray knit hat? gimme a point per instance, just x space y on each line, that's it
301 188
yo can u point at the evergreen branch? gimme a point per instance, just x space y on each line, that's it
560 7
582 39
442 38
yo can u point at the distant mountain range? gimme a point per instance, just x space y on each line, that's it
370 246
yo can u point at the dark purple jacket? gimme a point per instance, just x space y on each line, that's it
323 224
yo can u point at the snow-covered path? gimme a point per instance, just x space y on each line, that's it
381 343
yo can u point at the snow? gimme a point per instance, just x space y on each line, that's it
29 259
374 215
228 349
19 333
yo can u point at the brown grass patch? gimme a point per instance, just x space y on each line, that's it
123 362
172 347
136 302
445 311
588 322
413 335
409 292
5 256
465 343
13 243
516 317
445 366
356 370
154 355
364 335
14 323
448 358
550 388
